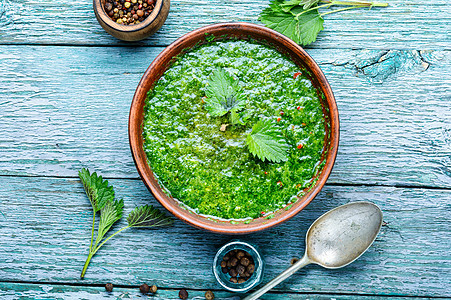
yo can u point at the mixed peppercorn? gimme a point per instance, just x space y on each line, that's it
239 265
129 12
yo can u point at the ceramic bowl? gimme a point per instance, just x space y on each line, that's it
241 31
133 32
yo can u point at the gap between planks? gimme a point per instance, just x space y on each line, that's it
401 186
275 292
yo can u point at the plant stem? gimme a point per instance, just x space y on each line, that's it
92 231
311 8
110 238
341 9
94 250
85 267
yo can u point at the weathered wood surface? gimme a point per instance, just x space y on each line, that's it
405 24
44 236
63 108
10 291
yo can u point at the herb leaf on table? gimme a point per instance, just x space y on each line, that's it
301 21
224 94
101 196
266 143
147 216
302 30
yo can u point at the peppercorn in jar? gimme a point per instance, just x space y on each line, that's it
129 12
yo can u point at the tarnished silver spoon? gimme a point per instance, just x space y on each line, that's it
335 240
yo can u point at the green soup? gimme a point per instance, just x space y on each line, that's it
211 171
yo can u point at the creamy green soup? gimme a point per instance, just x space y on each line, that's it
212 171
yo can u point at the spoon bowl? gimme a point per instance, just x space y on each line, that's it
343 234
335 239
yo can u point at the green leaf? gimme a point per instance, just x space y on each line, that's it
224 94
306 4
147 216
109 214
303 30
97 189
265 142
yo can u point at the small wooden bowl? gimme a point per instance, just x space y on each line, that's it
217 32
136 32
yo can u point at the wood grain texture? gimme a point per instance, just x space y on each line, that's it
62 108
44 237
414 24
10 291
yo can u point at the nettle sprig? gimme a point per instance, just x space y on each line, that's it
302 20
102 198
224 95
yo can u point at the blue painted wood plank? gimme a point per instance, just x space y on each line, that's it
405 24
9 291
63 108
45 236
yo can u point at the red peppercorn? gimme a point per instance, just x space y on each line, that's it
298 108
262 212
279 183
266 173
278 119
296 74
281 113
300 146
303 124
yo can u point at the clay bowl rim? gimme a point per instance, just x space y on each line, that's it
100 10
156 70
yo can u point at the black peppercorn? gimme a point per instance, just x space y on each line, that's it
109 287
251 268
153 289
241 269
144 288
239 255
294 260
209 295
245 261
183 294
225 270
233 272
233 279
233 261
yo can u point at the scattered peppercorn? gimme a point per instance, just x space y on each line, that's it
144 288
300 146
109 287
128 12
153 289
278 119
209 295
296 74
183 294
239 265
294 260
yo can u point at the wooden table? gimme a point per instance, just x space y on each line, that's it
65 92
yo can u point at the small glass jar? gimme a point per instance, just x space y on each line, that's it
224 279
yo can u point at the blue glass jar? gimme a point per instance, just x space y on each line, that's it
224 279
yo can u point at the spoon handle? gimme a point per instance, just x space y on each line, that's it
284 275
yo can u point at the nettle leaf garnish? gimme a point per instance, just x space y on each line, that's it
266 143
224 94
301 20
101 196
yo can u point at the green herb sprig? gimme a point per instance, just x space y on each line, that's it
301 20
102 198
224 95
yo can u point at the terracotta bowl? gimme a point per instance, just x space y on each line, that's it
136 32
218 32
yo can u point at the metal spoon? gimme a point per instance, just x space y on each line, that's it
335 239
